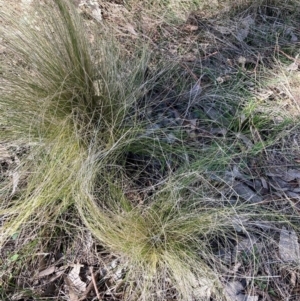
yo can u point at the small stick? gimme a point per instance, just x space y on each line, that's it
190 72
295 59
211 54
90 286
95 284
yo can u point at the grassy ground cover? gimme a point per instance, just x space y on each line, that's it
149 150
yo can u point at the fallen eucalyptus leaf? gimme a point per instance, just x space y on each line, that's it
50 270
214 114
219 131
279 184
130 28
72 294
294 38
190 27
233 289
4 155
246 245
293 278
264 183
196 90
238 222
15 182
171 138
60 271
242 61
223 30
202 287
245 139
292 67
291 175
277 171
293 195
244 28
233 292
288 245
247 298
74 278
92 9
246 193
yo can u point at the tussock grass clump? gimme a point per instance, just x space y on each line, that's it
73 113
84 110
54 98
47 92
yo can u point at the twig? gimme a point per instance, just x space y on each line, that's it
90 286
211 54
190 72
289 57
95 284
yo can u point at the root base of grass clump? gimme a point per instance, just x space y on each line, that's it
163 169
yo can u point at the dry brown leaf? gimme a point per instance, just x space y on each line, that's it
18 296
50 270
193 123
279 184
291 174
220 80
214 114
242 61
91 7
58 273
72 295
294 38
294 66
293 278
264 183
202 287
2 49
96 14
223 30
246 245
190 27
15 182
245 139
130 28
246 193
171 138
277 171
4 155
196 90
236 267
74 278
247 298
238 223
233 292
232 289
219 131
293 195
244 28
288 245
